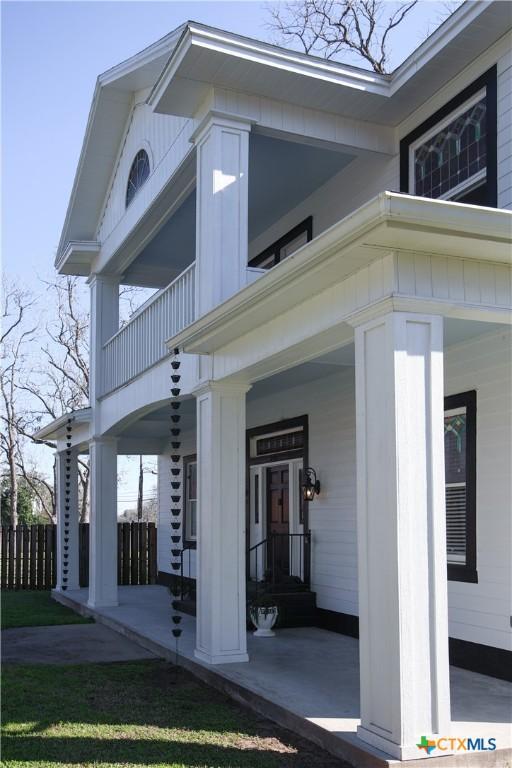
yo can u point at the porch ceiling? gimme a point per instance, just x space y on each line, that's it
281 175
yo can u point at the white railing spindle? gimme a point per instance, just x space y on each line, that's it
141 342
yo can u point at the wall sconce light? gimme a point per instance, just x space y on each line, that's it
311 485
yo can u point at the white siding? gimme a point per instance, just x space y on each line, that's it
158 135
505 131
481 612
497 53
330 405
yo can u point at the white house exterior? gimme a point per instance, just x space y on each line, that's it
332 254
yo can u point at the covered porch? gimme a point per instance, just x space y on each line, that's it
390 282
307 679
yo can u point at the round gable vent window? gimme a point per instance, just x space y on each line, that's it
139 172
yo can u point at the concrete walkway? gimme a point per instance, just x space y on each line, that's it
307 680
69 644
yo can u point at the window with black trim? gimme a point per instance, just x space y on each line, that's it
460 485
285 246
139 172
452 155
190 499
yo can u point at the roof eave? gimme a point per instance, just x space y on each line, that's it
52 430
393 215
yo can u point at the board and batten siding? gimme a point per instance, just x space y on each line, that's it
505 130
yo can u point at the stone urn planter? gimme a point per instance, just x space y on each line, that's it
264 613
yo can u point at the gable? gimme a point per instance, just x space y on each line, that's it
144 130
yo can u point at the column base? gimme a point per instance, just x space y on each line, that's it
103 603
221 658
67 588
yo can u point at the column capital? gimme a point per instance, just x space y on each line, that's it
228 387
103 440
215 117
373 313
97 278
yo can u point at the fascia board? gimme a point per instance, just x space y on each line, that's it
51 430
439 39
201 36
262 53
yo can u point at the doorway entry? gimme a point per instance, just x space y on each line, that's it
278 519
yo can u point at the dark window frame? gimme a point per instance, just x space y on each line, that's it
304 226
467 572
130 196
488 81
187 460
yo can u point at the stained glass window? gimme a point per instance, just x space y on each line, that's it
139 172
279 443
452 157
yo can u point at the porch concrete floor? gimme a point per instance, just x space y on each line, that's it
307 679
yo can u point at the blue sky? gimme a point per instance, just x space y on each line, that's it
52 53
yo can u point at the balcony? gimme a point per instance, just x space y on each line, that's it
140 344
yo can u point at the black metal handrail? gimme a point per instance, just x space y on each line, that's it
275 558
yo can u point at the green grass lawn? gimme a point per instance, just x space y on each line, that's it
35 609
137 714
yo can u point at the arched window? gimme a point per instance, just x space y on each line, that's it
138 175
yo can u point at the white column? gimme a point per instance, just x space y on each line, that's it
222 209
405 687
104 323
103 523
67 520
221 608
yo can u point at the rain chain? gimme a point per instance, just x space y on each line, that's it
67 506
176 492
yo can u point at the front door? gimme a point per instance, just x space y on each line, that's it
278 520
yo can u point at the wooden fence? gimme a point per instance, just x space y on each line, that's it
28 555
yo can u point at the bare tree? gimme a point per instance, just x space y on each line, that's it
61 383
14 340
330 27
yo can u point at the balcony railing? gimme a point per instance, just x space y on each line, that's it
141 342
